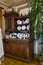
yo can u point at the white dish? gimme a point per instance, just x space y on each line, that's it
27 35
19 28
28 27
14 33
27 20
23 27
19 35
19 22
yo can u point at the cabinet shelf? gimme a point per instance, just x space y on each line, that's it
23 24
23 31
22 17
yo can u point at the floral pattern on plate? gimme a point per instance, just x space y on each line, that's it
23 27
19 22
19 28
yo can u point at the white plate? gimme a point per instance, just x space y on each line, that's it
27 35
19 22
19 28
28 27
14 33
23 27
27 20
19 35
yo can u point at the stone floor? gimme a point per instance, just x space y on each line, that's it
11 61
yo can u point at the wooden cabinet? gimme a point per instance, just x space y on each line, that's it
19 47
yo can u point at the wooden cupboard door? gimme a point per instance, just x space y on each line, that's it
7 48
24 49
19 49
8 24
14 47
0 18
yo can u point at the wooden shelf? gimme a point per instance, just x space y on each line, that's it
23 24
23 31
22 17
